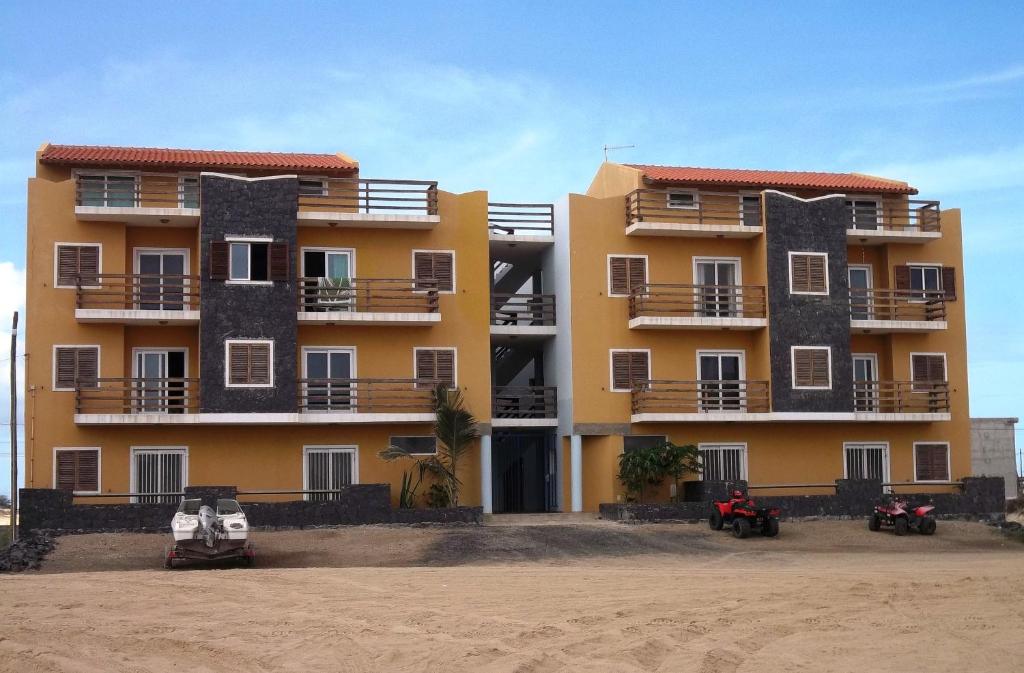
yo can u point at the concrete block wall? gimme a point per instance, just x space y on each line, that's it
993 451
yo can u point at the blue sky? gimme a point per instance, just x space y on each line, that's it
519 98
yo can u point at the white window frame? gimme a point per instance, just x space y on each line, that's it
182 177
351 350
152 251
314 178
320 248
949 465
869 307
792 366
608 271
692 192
133 477
873 391
137 175
945 370
853 198
56 264
455 360
391 442
611 366
790 271
99 467
747 195
921 266
247 240
227 363
412 261
330 448
886 463
53 364
719 446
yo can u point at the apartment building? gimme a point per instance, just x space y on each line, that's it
271 321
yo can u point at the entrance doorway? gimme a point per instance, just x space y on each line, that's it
524 472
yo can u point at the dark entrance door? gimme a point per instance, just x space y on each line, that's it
523 472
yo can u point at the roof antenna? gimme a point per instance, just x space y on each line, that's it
616 147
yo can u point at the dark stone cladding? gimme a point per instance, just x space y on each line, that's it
236 207
795 225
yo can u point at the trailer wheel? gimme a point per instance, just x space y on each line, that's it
740 527
901 526
715 521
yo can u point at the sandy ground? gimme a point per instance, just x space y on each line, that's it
824 596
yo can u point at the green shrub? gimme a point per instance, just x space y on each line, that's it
650 466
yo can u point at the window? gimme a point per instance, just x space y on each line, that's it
931 461
426 445
635 442
861 299
926 370
626 274
717 290
328 279
163 285
808 273
812 367
249 261
250 363
328 374
723 462
865 382
434 366
77 470
159 385
160 471
111 191
866 461
188 192
925 280
77 261
628 367
682 200
434 265
864 213
75 367
329 468
750 210
312 187
721 381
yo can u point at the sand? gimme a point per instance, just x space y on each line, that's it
825 596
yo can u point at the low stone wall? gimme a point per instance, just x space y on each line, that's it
980 497
54 510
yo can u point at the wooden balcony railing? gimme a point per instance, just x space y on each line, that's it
138 396
388 295
916 215
688 397
884 304
697 301
524 402
382 197
366 396
653 205
530 219
901 397
137 291
145 190
522 309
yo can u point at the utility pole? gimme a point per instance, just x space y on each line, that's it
14 428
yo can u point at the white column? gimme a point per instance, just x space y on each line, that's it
485 473
576 471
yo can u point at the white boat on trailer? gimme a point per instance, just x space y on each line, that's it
205 533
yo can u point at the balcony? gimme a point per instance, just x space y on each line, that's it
146 199
521 222
137 299
368 301
374 204
912 221
654 212
524 406
336 401
522 314
670 306
887 311
901 397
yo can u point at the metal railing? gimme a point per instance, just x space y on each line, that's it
531 219
709 208
702 301
901 397
884 304
366 396
522 309
139 396
392 295
915 215
387 197
138 291
687 397
141 190
524 402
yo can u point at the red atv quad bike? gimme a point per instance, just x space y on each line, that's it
744 516
903 517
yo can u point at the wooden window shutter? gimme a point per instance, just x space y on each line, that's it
809 273
78 260
78 470
446 367
819 368
259 364
438 266
930 462
637 275
65 364
637 367
801 274
67 470
816 273
67 264
619 272
238 363
949 282
435 365
901 277
928 368
87 367
423 268
89 264
279 261
810 366
802 367
620 370
220 253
